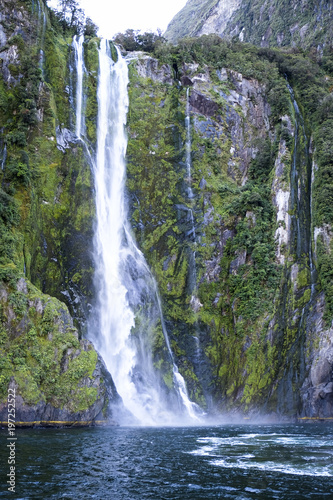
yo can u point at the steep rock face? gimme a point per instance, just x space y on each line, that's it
233 260
317 388
187 241
276 23
200 17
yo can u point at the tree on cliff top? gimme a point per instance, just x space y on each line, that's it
133 40
71 14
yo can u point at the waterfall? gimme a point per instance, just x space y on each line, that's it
188 144
128 309
4 157
296 191
41 51
190 218
188 148
79 63
294 199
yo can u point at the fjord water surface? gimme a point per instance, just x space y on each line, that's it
124 463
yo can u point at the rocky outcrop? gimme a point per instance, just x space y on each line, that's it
274 24
244 116
57 379
46 414
317 389
148 67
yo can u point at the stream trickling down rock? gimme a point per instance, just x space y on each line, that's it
128 307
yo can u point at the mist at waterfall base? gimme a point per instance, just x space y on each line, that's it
290 462
127 318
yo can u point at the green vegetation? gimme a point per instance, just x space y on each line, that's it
40 350
274 23
242 290
46 213
236 314
133 40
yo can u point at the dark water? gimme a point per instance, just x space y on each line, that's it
235 461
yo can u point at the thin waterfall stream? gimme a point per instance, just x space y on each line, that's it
189 192
42 36
296 192
192 232
80 70
128 309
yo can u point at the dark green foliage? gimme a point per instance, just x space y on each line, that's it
261 166
9 220
70 16
9 213
17 40
254 285
18 172
133 40
90 29
327 60
92 63
325 268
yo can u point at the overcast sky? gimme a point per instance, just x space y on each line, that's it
114 16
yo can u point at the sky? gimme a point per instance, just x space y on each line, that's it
115 16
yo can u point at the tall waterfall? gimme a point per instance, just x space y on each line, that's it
128 310
42 36
191 233
80 70
302 226
188 144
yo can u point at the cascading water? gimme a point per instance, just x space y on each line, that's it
127 292
42 37
296 192
3 157
188 144
80 70
190 194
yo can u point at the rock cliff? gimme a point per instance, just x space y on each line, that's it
276 23
234 261
229 188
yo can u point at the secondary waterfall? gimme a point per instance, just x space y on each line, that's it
188 144
191 234
188 147
80 70
42 36
128 310
296 194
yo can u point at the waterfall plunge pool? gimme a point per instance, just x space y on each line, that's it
290 461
